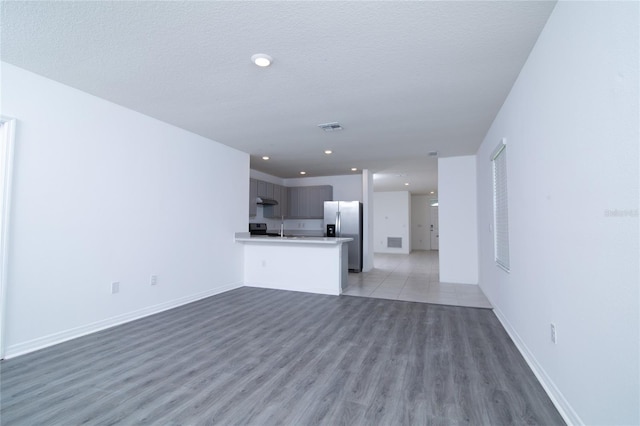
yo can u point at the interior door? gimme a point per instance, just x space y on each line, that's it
433 228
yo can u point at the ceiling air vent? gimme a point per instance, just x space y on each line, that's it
330 127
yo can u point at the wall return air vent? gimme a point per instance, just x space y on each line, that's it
330 127
394 242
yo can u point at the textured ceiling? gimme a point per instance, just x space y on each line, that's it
403 78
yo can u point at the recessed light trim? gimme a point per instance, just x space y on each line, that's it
328 151
266 157
303 173
354 169
262 60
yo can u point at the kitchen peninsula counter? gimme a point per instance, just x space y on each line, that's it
308 264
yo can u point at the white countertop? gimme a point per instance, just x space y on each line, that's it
245 237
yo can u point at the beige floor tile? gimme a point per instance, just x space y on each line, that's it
442 299
357 292
413 297
386 293
470 290
414 278
416 287
474 300
441 288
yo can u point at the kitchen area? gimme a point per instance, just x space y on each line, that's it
300 239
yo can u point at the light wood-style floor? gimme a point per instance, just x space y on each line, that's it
270 357
413 277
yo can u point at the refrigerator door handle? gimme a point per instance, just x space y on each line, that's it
338 224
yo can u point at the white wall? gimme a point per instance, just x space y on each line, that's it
367 220
457 220
103 194
420 222
571 124
391 218
255 174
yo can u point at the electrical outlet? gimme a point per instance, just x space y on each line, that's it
553 333
154 280
115 287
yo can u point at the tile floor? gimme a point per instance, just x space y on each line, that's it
413 278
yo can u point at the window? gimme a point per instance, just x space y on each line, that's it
500 206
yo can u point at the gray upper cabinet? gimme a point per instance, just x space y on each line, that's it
280 210
275 211
265 189
301 202
284 202
253 194
307 202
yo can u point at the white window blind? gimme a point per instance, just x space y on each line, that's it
500 208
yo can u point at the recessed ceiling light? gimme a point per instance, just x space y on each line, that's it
328 151
261 59
303 173
354 169
265 157
406 184
432 192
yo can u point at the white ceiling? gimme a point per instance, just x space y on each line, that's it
403 78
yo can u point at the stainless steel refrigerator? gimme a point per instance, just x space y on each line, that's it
345 217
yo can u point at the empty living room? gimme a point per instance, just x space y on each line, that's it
132 293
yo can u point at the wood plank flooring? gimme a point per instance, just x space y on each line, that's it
269 357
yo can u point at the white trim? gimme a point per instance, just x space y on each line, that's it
8 127
54 339
557 398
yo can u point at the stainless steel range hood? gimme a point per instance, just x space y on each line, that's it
266 201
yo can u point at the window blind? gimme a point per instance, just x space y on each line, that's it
500 207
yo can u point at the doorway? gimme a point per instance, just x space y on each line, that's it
424 222
433 228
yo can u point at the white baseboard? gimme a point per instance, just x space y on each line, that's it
53 339
558 399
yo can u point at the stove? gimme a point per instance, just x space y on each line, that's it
261 229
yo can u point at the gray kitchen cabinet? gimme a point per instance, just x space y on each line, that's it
307 202
280 194
316 197
274 211
284 201
300 202
253 194
292 208
265 189
262 188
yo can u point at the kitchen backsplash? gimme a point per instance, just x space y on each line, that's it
291 225
301 226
